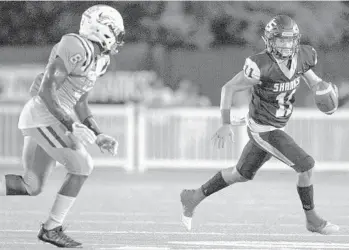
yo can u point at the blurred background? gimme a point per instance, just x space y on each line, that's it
161 94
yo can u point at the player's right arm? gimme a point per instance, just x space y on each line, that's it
245 79
54 77
71 53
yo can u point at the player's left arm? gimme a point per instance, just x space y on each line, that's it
84 114
313 81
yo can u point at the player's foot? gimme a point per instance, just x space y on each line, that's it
189 199
57 237
325 228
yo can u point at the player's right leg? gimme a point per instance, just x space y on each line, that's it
73 155
251 159
37 166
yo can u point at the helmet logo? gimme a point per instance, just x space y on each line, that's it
271 25
295 28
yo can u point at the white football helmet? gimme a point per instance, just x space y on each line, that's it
104 25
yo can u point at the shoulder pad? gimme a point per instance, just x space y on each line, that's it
254 64
251 69
75 51
309 56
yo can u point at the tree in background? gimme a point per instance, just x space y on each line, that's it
194 25
205 24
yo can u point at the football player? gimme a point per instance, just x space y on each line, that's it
51 134
274 76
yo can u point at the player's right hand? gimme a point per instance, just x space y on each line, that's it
83 133
223 135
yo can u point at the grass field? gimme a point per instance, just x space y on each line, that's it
142 211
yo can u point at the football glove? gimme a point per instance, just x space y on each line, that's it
83 133
108 143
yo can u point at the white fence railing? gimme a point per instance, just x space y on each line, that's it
181 138
116 121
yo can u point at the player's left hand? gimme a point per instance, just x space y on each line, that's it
108 143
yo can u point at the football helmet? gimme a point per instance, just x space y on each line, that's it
104 25
281 37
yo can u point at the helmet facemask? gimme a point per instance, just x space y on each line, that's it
284 47
113 37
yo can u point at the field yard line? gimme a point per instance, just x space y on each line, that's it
176 233
251 244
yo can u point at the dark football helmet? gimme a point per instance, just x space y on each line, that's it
281 37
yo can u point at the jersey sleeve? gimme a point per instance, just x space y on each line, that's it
251 70
75 53
310 57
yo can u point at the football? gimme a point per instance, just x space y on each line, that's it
326 97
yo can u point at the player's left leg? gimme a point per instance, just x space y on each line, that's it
79 165
251 159
283 147
37 166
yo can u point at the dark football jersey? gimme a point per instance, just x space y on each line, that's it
272 99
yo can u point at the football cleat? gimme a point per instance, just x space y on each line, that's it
189 203
327 228
57 237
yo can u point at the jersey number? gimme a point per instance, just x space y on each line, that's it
285 105
248 71
75 58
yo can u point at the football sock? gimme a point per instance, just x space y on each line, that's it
214 184
13 185
306 195
59 211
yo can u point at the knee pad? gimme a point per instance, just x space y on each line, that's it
232 175
34 184
89 165
248 169
80 162
246 173
304 164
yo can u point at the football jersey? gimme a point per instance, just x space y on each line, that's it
83 68
272 99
